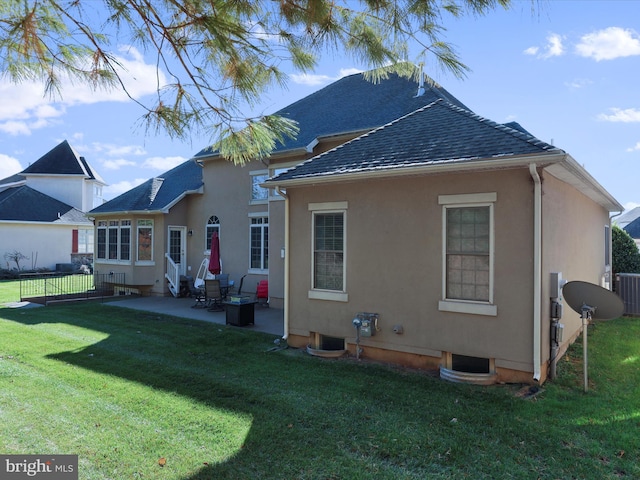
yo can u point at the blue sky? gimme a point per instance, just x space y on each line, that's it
568 72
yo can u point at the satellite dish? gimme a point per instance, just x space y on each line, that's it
591 302
602 303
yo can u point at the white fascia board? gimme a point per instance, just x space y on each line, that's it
571 172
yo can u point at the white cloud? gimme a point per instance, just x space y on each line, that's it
9 166
630 206
163 163
25 107
119 188
311 80
15 128
610 43
628 115
348 71
117 164
578 83
553 48
114 150
315 80
635 148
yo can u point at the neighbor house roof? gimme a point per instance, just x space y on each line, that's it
628 217
633 228
62 160
24 204
157 194
440 137
353 104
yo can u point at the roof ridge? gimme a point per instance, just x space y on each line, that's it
381 127
518 134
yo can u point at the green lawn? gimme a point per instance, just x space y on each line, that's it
127 391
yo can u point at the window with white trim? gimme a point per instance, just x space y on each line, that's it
114 240
468 253
259 243
258 193
328 267
85 240
145 241
213 225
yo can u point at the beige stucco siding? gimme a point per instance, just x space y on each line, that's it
394 265
573 244
227 195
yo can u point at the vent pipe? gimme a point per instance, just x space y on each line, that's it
420 81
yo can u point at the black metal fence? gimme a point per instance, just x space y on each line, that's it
47 287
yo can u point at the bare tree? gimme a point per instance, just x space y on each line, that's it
15 257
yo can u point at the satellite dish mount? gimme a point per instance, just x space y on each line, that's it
592 302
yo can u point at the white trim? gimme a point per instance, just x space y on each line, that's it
324 208
467 198
328 295
468 307
252 175
336 206
460 305
264 216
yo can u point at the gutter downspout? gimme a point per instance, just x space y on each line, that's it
286 262
537 268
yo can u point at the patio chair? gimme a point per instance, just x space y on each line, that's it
224 284
198 293
262 293
214 295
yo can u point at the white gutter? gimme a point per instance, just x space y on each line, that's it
287 296
537 269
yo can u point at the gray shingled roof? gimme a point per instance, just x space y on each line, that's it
158 193
438 133
353 104
24 204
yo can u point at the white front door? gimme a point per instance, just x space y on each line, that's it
178 247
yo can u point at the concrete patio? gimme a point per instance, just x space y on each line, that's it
267 319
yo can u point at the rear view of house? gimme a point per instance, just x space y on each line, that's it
448 235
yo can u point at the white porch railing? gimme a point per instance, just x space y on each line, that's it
172 275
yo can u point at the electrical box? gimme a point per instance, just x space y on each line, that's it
559 333
556 309
555 285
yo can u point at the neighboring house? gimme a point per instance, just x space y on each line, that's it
630 223
447 227
42 211
633 229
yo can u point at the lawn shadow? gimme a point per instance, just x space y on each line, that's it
218 366
295 431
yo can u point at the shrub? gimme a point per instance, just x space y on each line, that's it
626 257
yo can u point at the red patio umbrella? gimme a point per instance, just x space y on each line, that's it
214 258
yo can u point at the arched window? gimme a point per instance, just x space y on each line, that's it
213 225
